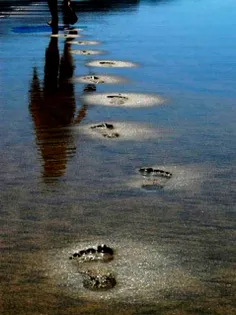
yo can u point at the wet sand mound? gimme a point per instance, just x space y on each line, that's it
182 178
123 99
84 42
77 29
120 131
87 52
142 273
100 79
66 36
111 64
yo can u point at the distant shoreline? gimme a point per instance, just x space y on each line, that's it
6 4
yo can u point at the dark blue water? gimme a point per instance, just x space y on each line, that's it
63 188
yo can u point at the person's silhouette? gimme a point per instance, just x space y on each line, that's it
53 109
69 15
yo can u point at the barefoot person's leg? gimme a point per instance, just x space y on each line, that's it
52 4
69 15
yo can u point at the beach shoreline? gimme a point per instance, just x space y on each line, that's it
6 5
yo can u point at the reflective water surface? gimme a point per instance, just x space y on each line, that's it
66 186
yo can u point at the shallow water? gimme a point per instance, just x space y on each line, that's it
65 187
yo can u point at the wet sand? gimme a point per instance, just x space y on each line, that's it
66 186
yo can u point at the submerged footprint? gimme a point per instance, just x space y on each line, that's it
111 63
117 99
154 178
149 171
97 281
102 253
94 79
105 130
94 279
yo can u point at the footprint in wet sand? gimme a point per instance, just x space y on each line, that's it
95 279
154 178
105 130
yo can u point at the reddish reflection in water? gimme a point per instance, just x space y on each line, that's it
53 110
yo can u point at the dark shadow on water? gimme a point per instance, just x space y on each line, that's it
5 4
104 5
87 5
155 2
53 108
113 5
